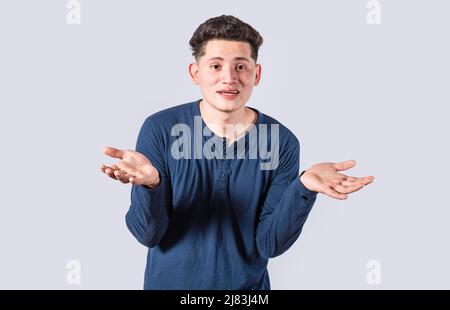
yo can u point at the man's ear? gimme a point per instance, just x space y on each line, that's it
193 72
258 74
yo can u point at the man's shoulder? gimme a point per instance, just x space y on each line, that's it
161 122
172 114
286 136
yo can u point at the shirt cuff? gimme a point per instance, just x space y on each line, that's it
160 190
305 192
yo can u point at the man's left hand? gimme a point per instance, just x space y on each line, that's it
325 178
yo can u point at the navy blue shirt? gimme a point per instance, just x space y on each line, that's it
213 223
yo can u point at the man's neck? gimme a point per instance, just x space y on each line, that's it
220 121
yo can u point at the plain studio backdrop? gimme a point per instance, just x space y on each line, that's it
348 89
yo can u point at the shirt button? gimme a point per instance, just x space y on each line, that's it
222 175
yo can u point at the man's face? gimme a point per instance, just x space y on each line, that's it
226 74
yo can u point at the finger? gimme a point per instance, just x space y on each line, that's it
371 178
353 183
113 152
344 165
337 178
332 193
354 189
344 177
347 190
104 167
361 179
110 173
121 176
354 180
126 177
357 182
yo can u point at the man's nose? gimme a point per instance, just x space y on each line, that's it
228 74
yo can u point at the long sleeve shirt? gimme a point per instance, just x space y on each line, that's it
220 212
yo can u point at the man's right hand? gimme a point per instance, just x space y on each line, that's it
133 168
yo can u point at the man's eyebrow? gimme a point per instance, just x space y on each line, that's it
242 58
236 58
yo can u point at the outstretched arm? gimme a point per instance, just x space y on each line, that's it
148 216
289 199
286 205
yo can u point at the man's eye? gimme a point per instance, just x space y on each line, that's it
240 67
215 67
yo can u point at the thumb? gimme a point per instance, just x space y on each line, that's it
113 152
344 165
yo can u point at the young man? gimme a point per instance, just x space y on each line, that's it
204 199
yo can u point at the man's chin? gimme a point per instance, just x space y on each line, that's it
228 106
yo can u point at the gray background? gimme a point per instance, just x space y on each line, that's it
349 90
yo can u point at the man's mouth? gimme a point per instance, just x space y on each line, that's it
228 92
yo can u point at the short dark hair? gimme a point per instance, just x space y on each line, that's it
225 27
